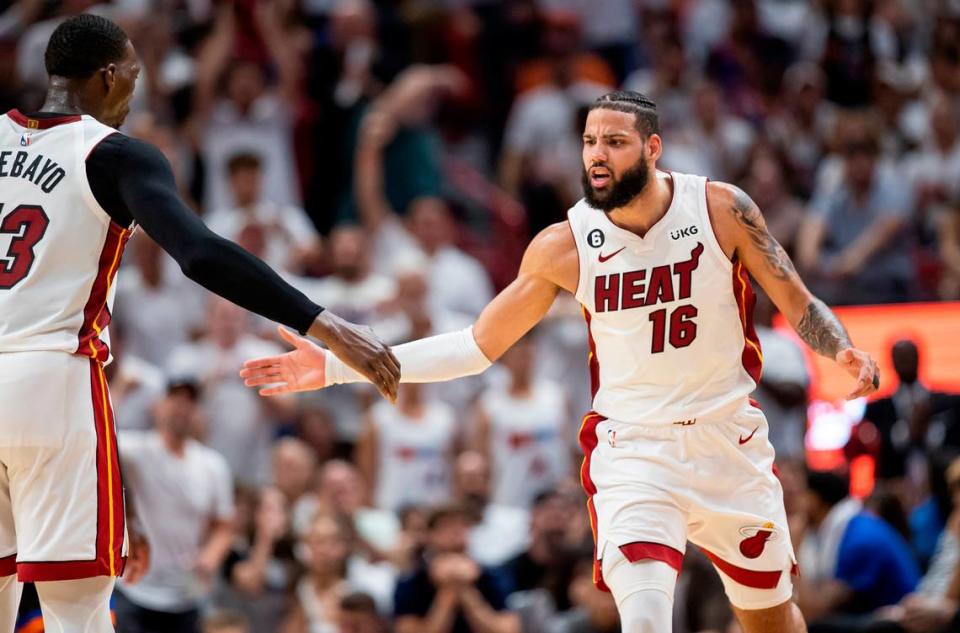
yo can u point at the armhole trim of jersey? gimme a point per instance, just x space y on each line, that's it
713 243
88 196
580 294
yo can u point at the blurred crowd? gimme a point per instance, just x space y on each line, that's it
392 158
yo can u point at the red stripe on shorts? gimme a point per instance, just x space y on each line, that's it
110 514
640 550
746 577
588 442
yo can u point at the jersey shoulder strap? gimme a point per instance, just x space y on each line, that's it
93 134
581 218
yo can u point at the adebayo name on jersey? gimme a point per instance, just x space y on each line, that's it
36 168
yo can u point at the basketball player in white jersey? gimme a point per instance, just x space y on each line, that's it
72 190
406 452
675 450
522 428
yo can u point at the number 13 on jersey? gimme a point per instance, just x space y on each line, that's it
25 226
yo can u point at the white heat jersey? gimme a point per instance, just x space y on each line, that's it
528 442
669 315
414 455
59 251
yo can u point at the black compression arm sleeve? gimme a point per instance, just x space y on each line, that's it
133 181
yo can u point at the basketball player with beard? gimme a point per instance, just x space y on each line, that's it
675 449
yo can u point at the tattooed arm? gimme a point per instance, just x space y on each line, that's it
743 235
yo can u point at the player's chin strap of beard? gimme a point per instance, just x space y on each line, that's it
434 359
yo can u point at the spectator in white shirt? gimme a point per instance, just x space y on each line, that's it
522 427
323 551
405 451
352 290
542 138
135 385
154 310
934 169
362 296
294 475
240 423
291 240
184 497
713 142
342 490
500 531
457 283
250 116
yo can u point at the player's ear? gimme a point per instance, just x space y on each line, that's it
654 146
109 76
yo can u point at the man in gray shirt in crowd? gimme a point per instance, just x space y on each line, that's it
852 247
184 497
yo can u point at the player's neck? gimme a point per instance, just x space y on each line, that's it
647 208
61 99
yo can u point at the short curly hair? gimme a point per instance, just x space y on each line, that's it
83 44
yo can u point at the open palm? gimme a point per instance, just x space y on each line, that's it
301 369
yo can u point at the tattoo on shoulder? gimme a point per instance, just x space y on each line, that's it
745 210
820 328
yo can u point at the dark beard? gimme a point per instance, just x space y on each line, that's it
622 190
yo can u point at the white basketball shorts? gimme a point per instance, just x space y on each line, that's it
61 496
710 481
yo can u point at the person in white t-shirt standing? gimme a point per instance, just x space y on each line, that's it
353 287
521 428
289 237
239 427
406 452
184 496
249 115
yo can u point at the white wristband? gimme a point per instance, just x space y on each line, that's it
434 359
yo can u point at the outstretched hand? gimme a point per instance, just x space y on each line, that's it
861 366
301 369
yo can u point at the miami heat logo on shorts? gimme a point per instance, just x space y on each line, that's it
756 538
